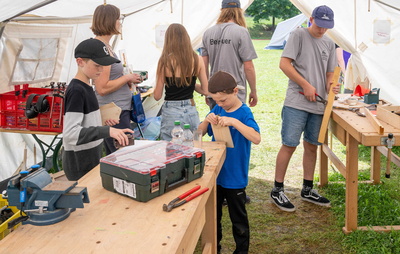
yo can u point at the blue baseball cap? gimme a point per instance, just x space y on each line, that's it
230 4
323 16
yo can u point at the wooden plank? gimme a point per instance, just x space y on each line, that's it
375 122
375 173
351 209
380 228
385 113
338 131
323 165
222 134
328 108
335 160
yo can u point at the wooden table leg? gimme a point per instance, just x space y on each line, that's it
375 165
351 184
323 166
209 233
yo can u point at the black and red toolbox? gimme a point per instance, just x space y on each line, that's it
14 104
148 169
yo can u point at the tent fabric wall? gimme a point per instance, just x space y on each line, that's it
283 30
356 31
139 40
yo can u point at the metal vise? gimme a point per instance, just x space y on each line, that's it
43 200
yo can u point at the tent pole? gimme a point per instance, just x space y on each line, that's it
355 22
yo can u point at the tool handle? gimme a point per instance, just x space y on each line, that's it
184 195
196 194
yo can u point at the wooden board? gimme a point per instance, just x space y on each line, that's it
222 134
328 107
375 122
386 114
110 111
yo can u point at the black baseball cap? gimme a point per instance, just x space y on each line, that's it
95 50
230 4
323 16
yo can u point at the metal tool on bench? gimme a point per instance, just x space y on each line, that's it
318 98
184 198
44 200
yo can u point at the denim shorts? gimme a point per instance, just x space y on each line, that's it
295 122
177 110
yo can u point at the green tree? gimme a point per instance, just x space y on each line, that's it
266 9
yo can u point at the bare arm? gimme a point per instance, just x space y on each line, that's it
159 89
120 135
251 79
202 88
286 66
340 59
105 86
329 83
206 63
248 132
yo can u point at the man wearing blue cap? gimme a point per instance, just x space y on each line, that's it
308 60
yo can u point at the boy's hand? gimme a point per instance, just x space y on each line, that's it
212 118
336 89
111 122
226 121
120 136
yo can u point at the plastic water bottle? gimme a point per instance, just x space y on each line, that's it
187 135
177 133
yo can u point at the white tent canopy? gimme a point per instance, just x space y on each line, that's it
67 22
283 30
370 31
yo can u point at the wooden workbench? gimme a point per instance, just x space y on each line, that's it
112 223
352 130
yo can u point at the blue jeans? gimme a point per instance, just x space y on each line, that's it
296 122
178 110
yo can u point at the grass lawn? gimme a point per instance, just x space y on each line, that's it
311 229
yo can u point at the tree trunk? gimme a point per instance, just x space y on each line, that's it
273 24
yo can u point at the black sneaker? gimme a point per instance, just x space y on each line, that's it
281 201
311 195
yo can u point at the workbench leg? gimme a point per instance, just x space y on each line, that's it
209 233
323 166
351 184
375 165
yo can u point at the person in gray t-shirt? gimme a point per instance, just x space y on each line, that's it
113 85
308 60
227 46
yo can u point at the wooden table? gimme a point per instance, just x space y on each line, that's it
112 223
352 130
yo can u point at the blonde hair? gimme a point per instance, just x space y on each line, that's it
104 20
235 14
178 56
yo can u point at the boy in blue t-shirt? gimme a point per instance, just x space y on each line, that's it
233 177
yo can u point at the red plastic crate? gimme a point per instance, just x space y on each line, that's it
12 111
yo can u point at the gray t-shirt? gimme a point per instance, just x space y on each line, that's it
228 45
123 96
312 58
